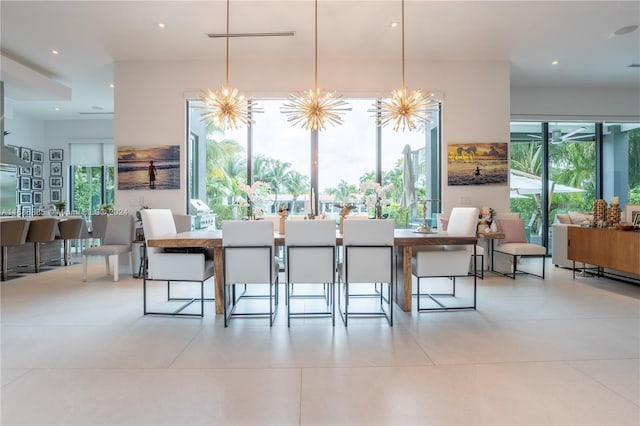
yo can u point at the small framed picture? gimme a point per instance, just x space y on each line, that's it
25 198
56 169
56 195
37 198
632 214
37 184
25 171
37 156
37 170
55 182
25 183
55 155
25 154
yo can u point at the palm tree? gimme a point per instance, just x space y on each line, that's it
343 192
279 173
296 185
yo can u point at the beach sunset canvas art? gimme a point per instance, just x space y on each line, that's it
478 163
149 167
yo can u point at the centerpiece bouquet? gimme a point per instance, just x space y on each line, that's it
374 196
256 194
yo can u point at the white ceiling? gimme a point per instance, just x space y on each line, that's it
529 34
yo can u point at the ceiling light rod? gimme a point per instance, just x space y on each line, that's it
234 35
405 109
314 108
226 108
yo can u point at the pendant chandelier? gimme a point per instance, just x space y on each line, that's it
315 108
405 109
225 108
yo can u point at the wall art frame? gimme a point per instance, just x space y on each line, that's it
56 154
478 163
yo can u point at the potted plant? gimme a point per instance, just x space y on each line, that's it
60 205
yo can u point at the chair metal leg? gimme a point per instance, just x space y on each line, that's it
36 256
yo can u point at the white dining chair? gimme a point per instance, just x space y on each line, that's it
450 261
116 242
311 259
248 259
179 266
367 259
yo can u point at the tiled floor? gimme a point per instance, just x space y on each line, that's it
556 351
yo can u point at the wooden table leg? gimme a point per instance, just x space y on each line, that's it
403 284
218 279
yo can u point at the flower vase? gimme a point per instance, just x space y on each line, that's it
378 211
250 211
494 226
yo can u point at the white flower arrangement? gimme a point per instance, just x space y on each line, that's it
256 192
374 195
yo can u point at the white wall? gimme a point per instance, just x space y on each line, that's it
576 103
150 104
25 131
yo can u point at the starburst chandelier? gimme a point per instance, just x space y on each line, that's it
405 109
225 107
315 108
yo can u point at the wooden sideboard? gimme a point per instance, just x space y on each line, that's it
606 248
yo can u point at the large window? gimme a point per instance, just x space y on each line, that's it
584 162
92 176
300 166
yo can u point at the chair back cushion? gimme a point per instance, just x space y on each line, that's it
513 230
247 233
369 232
311 265
311 233
13 232
42 230
71 228
368 251
463 221
157 223
98 225
119 230
248 252
182 222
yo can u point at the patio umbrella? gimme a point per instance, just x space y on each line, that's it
528 185
408 180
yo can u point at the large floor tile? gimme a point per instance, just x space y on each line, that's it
620 375
153 397
499 394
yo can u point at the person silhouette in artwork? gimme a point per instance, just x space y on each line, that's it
477 173
152 175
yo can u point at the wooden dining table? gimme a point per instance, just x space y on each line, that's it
404 241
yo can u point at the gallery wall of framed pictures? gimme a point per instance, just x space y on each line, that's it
31 184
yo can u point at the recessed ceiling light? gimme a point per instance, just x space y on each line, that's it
54 51
625 30
554 62
161 25
394 24
56 109
112 85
